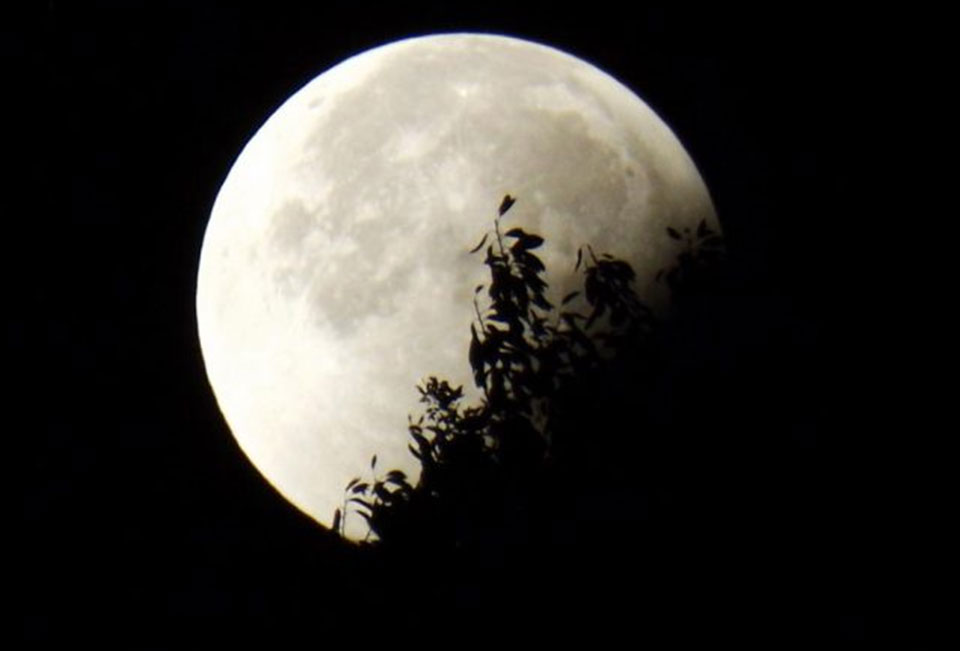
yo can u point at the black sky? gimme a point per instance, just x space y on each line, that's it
144 521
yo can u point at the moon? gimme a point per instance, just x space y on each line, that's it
334 273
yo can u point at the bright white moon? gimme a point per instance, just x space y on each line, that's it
334 273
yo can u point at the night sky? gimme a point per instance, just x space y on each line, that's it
145 524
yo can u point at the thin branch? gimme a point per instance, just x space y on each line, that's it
496 228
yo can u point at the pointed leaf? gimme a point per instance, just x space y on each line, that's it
360 488
480 246
579 259
531 261
593 256
505 205
373 462
515 232
336 521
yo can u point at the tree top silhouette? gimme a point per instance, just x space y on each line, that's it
549 377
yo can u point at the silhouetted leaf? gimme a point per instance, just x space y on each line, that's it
421 440
478 289
515 232
579 259
336 521
480 246
534 263
542 303
360 488
475 355
593 256
373 462
532 241
353 482
672 232
506 204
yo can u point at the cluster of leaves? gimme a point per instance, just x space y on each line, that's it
702 252
485 467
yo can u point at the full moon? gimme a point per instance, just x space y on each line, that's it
335 271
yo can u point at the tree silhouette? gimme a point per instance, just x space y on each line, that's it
542 456
619 469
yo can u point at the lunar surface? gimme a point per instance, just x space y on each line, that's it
335 273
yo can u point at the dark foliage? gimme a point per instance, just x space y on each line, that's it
554 452
617 467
